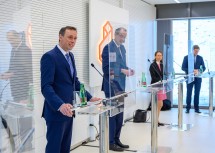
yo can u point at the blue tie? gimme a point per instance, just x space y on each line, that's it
70 63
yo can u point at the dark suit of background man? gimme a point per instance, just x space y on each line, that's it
20 69
198 61
20 75
118 71
58 81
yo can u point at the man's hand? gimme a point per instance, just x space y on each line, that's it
132 72
128 72
196 71
93 99
6 76
65 109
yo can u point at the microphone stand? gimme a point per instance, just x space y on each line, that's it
111 85
4 122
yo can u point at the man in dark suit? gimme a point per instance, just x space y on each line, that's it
198 62
20 69
58 81
115 71
21 76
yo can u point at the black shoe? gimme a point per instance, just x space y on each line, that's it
160 124
187 111
197 111
118 142
115 147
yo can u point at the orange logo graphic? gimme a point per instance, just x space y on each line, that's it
106 37
29 35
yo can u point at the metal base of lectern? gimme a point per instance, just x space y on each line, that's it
161 149
207 114
184 127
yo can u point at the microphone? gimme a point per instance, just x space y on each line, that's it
114 85
3 90
207 66
104 101
177 64
155 70
96 69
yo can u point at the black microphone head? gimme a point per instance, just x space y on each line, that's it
92 64
149 60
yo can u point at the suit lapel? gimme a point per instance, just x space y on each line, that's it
118 55
161 71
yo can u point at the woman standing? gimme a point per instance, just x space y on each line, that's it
156 71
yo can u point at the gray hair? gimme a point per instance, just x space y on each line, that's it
117 31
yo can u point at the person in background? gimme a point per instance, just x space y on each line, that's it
156 72
58 81
198 62
115 71
20 76
20 69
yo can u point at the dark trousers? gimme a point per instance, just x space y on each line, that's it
115 126
59 135
197 86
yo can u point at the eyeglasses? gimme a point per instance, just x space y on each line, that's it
122 36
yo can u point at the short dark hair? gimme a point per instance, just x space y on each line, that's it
195 47
117 31
14 33
63 29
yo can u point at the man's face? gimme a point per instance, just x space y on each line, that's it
196 51
67 42
120 38
12 39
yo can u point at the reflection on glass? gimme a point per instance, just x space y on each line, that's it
16 113
16 79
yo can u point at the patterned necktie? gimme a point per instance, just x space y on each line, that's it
70 63
120 53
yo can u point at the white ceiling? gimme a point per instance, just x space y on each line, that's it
153 2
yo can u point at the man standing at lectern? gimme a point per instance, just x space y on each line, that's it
58 81
116 70
198 62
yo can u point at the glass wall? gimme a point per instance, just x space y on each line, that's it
202 34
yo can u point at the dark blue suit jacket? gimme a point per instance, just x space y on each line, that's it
199 61
117 83
57 84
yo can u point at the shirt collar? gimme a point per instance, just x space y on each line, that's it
62 51
116 43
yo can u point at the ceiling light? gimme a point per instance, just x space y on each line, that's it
177 1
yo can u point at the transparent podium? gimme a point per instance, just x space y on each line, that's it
157 88
210 75
18 126
105 108
180 126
